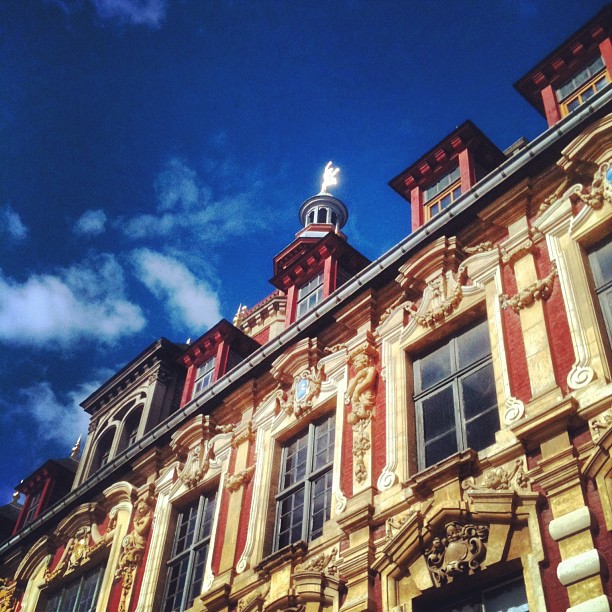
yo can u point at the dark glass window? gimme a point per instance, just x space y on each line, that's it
441 185
303 502
204 376
33 504
600 259
79 595
579 79
188 556
455 397
309 295
131 428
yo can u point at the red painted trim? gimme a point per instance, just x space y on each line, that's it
605 48
45 497
291 305
551 105
416 204
467 170
220 534
330 276
221 357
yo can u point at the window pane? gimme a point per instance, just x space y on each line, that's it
295 462
441 448
507 598
88 592
291 513
198 574
177 578
438 413
434 367
473 344
320 503
601 263
481 431
324 443
478 392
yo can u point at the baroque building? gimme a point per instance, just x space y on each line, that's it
431 430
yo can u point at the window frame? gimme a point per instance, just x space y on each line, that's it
601 286
577 91
33 505
204 372
62 591
453 380
447 186
205 510
310 290
307 482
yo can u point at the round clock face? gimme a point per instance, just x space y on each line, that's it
301 389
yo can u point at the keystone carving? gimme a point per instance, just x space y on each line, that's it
526 246
361 396
600 424
8 601
600 191
241 479
325 563
133 550
482 247
305 389
460 551
539 290
446 294
196 465
500 479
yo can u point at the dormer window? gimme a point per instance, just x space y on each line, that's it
204 376
309 295
582 86
33 504
442 193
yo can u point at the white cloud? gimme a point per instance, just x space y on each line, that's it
11 224
149 13
84 301
90 223
189 206
190 302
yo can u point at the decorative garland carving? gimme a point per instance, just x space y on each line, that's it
133 549
600 191
460 551
482 247
500 479
526 246
395 523
305 389
539 290
325 563
245 435
196 465
446 295
241 479
601 423
8 600
361 396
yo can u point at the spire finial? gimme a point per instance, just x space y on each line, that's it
329 177
76 449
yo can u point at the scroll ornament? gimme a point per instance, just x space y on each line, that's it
601 188
361 395
460 551
133 550
240 479
539 290
500 479
305 389
395 523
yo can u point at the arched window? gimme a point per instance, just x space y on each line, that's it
103 450
322 215
130 429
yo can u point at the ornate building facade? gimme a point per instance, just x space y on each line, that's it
431 430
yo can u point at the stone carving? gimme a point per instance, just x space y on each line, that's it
8 600
240 315
254 600
521 249
515 410
601 423
482 247
395 523
241 479
460 551
196 465
446 294
500 479
133 550
329 177
601 189
361 396
325 563
245 435
305 389
539 290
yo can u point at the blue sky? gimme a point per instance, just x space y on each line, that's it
154 155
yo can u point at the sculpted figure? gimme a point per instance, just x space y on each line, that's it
361 392
329 177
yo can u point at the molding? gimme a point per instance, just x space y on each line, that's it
570 523
579 567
